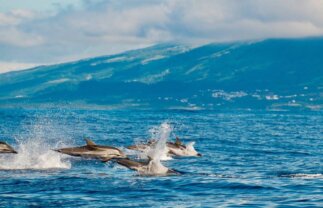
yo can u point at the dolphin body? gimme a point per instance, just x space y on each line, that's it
150 167
176 148
92 150
139 147
142 147
6 148
179 149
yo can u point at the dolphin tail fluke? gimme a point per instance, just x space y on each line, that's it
150 158
6 148
12 150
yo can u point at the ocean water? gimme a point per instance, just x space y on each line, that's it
250 159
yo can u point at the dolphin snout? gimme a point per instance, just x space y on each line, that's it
200 155
57 150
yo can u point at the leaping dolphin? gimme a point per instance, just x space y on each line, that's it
92 150
176 148
179 149
151 167
6 148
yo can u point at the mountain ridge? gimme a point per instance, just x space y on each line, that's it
205 76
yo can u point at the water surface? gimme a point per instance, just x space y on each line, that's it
251 159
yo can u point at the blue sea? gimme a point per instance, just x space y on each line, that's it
250 159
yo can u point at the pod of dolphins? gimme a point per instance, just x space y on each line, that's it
108 153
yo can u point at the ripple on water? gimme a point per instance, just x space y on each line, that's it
249 159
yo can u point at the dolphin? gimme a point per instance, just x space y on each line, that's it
142 147
179 149
92 150
176 148
6 148
150 167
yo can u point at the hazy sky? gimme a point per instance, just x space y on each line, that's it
50 31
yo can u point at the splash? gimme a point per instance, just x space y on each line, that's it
159 151
34 152
190 150
156 148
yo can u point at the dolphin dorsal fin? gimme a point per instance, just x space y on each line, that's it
89 142
178 142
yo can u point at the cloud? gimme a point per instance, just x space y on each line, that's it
232 20
11 66
102 27
10 32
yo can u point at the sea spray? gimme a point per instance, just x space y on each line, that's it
34 150
34 154
161 134
159 150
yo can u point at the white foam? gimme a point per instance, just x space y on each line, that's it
34 152
152 78
306 176
272 97
190 150
146 152
154 58
228 95
159 150
58 81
